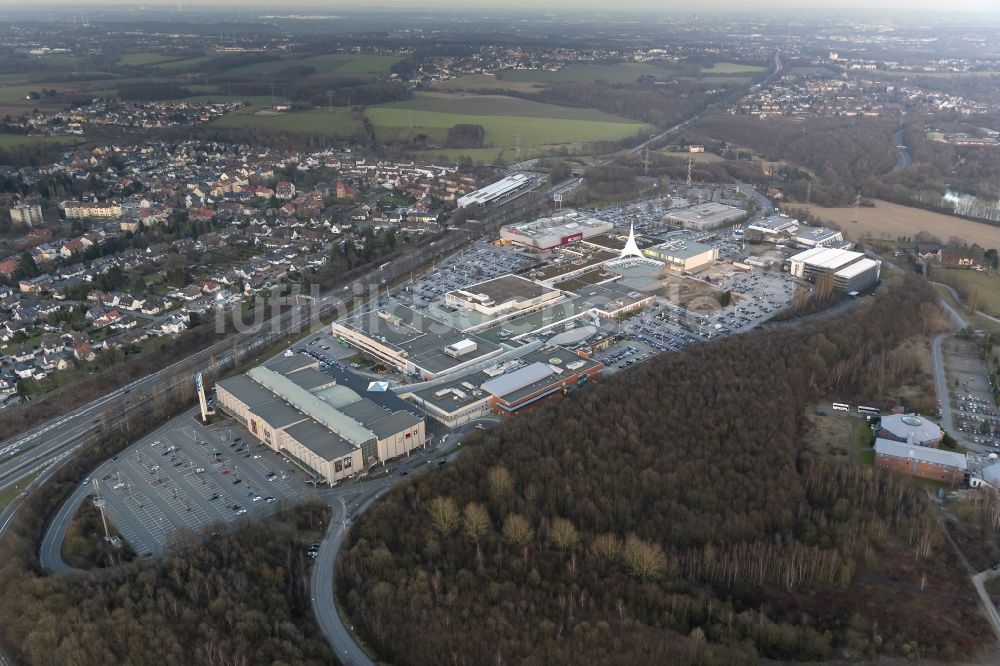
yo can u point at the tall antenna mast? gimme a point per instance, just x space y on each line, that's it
690 164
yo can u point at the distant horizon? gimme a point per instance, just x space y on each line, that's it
319 7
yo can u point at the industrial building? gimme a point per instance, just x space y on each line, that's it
326 427
506 388
505 295
921 461
683 252
851 271
414 343
910 429
551 232
498 192
706 216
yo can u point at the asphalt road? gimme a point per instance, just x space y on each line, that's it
940 375
979 580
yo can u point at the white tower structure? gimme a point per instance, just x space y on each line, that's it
631 249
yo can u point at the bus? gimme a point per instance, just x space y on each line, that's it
869 411
841 407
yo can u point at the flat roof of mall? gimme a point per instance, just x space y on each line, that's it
507 288
422 337
461 391
321 441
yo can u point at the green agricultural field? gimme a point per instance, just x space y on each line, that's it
345 64
145 58
508 121
626 72
183 63
17 94
488 82
256 102
321 121
732 68
481 155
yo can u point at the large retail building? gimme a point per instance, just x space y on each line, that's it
327 427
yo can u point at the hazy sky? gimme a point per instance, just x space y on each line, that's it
672 6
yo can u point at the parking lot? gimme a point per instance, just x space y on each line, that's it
189 476
756 298
974 411
481 262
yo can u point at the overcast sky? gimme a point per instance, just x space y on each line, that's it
673 6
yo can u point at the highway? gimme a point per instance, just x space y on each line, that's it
38 447
636 150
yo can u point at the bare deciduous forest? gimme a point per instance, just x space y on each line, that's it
667 515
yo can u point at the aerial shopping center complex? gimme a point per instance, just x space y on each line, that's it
547 307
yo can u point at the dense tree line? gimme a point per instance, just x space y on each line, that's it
842 154
239 598
662 516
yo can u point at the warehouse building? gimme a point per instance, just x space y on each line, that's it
683 252
548 233
506 388
303 413
851 271
922 461
498 192
706 216
910 429
412 342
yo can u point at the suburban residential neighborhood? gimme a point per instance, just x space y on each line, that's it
109 248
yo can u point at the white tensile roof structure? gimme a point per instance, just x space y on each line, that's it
631 249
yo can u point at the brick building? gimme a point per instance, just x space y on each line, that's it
922 461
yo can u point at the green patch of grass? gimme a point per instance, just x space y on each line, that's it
18 94
9 494
488 82
732 68
321 121
508 121
183 63
146 58
968 281
864 442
